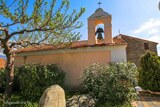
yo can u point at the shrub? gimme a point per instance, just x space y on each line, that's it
149 72
3 81
113 84
34 79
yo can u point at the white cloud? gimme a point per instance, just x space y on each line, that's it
150 26
155 38
153 31
2 54
159 52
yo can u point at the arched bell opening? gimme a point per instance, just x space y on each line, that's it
99 33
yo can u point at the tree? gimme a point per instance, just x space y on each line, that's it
149 72
28 23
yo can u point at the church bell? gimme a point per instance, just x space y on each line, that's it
99 31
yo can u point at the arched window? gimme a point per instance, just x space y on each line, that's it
99 32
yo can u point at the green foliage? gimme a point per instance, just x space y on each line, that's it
16 87
19 101
34 79
30 104
114 83
149 72
111 105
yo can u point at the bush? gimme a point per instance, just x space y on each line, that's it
34 79
113 84
3 81
149 72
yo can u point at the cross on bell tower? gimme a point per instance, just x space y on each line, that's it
99 3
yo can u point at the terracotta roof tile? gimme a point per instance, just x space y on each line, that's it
78 44
2 63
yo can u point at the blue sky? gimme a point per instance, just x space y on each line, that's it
138 18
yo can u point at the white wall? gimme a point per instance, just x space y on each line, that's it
118 54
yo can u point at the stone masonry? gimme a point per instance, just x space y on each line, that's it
135 48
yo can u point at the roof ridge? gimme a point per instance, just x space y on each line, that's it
135 38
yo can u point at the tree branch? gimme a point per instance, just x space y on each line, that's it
15 43
8 5
10 24
32 30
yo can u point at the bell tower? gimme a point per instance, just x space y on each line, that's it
99 17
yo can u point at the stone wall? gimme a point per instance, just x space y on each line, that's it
135 48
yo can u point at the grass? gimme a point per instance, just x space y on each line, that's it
17 100
119 105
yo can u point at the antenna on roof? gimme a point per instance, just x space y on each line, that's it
99 3
119 35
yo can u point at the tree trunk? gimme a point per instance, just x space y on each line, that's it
9 74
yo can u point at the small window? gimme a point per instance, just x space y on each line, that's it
146 46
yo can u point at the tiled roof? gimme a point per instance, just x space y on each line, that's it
131 37
74 45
